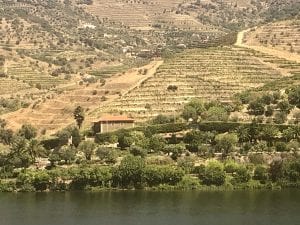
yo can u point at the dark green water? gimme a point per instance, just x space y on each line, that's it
152 208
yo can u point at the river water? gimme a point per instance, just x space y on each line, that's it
151 208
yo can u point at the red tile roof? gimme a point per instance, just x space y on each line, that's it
115 119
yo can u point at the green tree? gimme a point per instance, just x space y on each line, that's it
125 140
269 133
261 173
139 139
35 149
19 155
241 175
6 136
2 123
193 140
231 166
269 111
67 153
243 133
189 112
216 113
254 131
41 181
175 150
54 157
256 108
162 119
193 109
284 106
138 151
130 172
291 170
226 142
155 175
68 133
27 131
280 117
107 155
187 163
280 146
267 99
88 148
79 116
214 174
276 170
157 143
294 96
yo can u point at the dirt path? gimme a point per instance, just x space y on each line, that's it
271 51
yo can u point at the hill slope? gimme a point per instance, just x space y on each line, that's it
211 74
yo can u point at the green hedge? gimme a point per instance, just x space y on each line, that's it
148 130
222 127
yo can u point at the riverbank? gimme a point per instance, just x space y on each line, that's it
134 172
186 184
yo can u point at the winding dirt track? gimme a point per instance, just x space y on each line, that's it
271 51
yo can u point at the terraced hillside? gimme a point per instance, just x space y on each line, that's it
54 111
11 86
283 36
211 74
142 14
240 14
46 46
158 22
191 14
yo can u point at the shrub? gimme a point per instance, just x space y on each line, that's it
261 173
130 172
241 175
107 155
187 164
156 175
280 146
41 181
256 158
138 151
214 174
231 166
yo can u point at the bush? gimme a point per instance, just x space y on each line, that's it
241 175
107 155
138 151
280 117
214 174
175 150
256 158
188 183
41 181
130 172
157 143
261 173
276 170
187 164
156 175
91 176
281 146
291 170
231 166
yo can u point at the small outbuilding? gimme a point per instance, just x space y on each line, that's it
112 123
